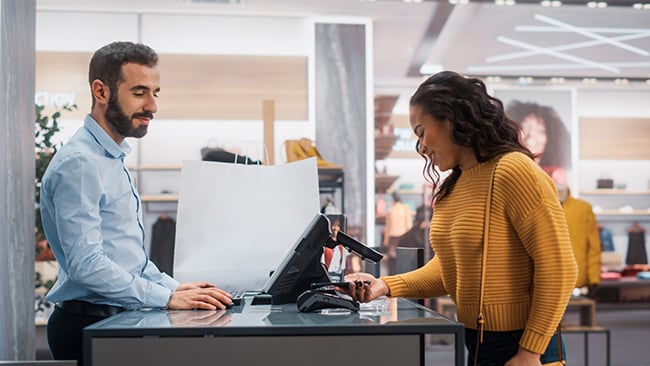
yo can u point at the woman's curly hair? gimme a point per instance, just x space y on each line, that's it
478 121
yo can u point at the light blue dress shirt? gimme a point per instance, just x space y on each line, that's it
92 217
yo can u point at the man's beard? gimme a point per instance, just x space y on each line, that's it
122 123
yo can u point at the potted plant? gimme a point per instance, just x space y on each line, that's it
45 129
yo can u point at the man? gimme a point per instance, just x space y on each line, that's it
399 221
92 214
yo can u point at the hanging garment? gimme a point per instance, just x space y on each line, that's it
606 239
162 244
636 253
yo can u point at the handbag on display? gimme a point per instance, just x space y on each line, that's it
605 183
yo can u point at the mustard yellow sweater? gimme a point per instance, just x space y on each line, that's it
530 269
583 229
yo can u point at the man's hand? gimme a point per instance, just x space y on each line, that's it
199 295
194 285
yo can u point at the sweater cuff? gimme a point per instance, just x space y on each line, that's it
396 285
534 342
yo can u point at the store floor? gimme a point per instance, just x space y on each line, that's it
629 332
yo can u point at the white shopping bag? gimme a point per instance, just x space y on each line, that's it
235 223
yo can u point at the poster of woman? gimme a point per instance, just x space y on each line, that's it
546 118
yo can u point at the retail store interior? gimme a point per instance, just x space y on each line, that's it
252 77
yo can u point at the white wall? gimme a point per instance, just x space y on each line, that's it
169 142
635 174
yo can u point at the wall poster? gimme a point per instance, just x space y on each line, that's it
548 122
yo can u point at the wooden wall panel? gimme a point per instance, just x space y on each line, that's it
64 73
232 87
614 138
196 86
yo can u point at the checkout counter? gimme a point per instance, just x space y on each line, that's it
383 332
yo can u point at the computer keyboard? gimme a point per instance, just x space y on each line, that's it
237 296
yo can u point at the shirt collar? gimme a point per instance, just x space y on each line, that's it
112 148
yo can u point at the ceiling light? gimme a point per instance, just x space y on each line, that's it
551 3
430 69
557 80
494 79
504 2
621 81
589 81
524 80
597 4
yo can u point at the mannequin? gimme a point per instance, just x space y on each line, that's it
583 229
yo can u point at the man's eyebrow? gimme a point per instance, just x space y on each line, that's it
142 87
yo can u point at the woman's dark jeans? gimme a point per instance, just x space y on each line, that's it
498 347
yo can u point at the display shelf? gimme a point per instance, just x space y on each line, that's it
155 168
159 198
615 212
384 181
614 192
608 203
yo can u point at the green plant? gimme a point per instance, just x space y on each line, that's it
45 129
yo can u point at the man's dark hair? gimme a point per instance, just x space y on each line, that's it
106 63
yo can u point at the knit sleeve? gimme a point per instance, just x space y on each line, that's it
537 217
420 283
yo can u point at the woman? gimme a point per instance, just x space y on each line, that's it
530 269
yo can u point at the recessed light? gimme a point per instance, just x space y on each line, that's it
597 4
525 80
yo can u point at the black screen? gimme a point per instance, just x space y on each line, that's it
302 265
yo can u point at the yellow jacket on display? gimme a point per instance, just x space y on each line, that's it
531 270
585 240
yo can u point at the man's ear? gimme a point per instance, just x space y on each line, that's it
100 91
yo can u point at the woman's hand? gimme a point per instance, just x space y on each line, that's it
364 287
524 358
